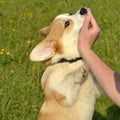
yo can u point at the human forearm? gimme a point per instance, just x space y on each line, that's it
109 80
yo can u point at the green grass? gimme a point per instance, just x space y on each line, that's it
20 20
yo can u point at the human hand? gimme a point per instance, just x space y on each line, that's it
89 32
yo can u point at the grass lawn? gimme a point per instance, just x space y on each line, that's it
20 20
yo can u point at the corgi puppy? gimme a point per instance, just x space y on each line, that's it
69 86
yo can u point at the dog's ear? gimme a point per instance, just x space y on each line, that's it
42 51
45 30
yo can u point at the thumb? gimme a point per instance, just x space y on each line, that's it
87 21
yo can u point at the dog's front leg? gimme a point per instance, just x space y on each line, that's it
71 84
80 74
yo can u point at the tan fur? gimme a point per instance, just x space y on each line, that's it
70 88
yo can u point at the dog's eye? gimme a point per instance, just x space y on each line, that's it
67 23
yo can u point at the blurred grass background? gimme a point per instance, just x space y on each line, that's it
20 20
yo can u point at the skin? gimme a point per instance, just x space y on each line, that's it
107 77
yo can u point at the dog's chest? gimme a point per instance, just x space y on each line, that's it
54 74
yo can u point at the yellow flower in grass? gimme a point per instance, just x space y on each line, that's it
28 41
30 15
14 30
1 53
2 1
0 27
2 50
8 53
24 14
105 20
11 21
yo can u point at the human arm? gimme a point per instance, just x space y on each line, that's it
107 77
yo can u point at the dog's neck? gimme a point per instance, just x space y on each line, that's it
63 60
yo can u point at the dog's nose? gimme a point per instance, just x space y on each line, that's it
83 11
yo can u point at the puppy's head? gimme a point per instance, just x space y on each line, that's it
61 38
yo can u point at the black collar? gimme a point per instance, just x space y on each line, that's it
62 60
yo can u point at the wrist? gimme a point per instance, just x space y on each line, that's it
84 50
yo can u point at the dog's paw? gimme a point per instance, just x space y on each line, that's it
81 74
84 71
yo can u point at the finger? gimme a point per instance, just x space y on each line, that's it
93 21
87 21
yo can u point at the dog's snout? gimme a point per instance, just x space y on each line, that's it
83 11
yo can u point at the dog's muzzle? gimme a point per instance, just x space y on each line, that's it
83 11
